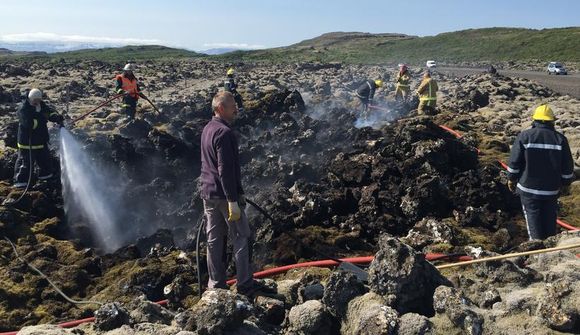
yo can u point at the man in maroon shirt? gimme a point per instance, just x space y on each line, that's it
223 195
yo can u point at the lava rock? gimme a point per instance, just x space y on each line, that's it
369 314
271 310
340 289
147 311
414 324
111 316
218 310
404 277
310 317
447 300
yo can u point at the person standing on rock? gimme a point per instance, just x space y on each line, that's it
231 86
427 92
403 83
128 86
223 195
366 93
33 138
540 168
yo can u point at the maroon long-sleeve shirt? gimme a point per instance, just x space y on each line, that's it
220 162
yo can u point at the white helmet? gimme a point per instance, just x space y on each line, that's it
35 94
129 67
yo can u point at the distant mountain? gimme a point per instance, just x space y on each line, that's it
120 54
52 47
218 51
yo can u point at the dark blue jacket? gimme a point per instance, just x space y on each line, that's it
541 161
220 162
367 90
32 125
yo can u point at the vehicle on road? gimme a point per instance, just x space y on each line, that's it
556 68
431 64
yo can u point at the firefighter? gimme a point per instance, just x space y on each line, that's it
231 86
33 138
403 83
540 168
366 92
427 92
127 85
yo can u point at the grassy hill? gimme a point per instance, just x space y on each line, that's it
122 54
489 44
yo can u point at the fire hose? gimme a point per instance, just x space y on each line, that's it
94 109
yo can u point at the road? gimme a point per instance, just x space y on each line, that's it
569 84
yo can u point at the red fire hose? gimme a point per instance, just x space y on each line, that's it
94 109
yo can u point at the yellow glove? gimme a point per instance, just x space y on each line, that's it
234 212
511 186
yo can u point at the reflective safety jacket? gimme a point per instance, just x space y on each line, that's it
128 85
403 80
541 161
428 91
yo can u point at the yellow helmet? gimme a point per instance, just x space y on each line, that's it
379 83
543 113
230 71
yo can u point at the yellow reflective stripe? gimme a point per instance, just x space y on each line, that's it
53 113
427 99
34 123
23 146
120 90
125 105
402 85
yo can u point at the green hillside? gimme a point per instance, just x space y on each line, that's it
489 44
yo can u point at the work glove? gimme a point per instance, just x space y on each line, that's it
234 211
511 186
242 200
565 190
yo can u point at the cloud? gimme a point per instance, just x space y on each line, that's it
243 46
74 39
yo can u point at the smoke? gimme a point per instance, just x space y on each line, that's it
91 193
376 117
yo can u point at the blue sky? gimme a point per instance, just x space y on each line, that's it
202 25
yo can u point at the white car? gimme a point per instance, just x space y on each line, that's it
556 68
431 64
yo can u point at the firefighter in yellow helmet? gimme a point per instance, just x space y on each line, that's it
427 92
366 92
231 86
540 169
403 83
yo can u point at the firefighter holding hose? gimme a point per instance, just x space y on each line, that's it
33 138
127 85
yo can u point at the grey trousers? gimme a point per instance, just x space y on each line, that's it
216 212
540 216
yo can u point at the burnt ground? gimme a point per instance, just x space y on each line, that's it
333 185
